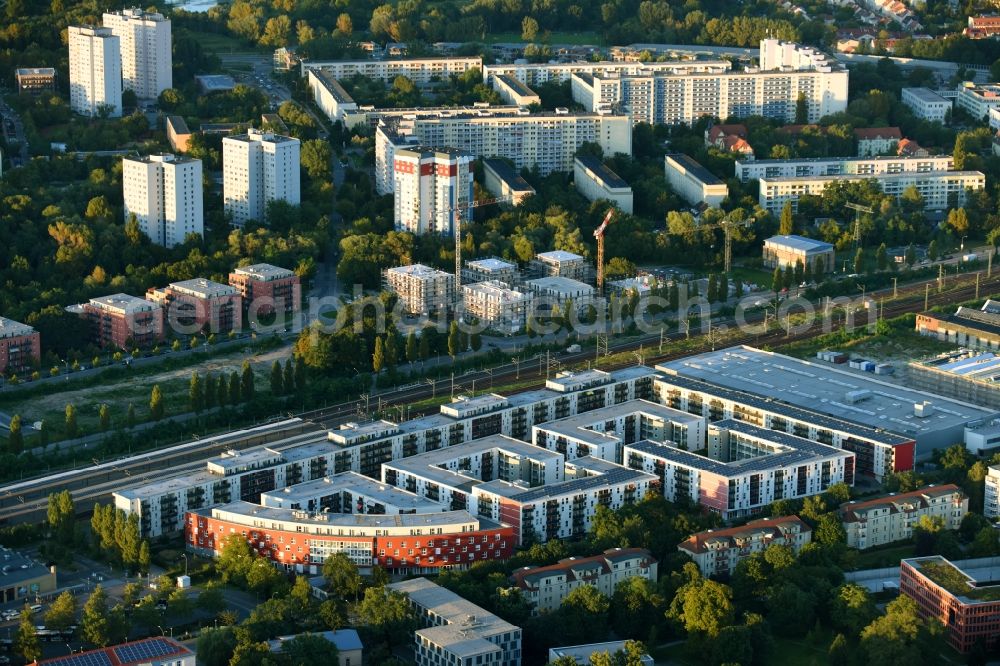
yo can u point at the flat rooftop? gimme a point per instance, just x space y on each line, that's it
602 173
589 426
10 328
332 85
854 177
497 289
123 303
560 285
787 450
146 652
879 405
418 271
264 272
925 94
694 168
17 567
491 265
246 513
515 84
558 257
215 82
36 71
601 478
203 288
433 465
354 483
800 243
468 623
875 159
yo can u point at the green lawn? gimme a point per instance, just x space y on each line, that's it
884 557
577 38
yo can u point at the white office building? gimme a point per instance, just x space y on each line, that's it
257 168
95 71
432 189
164 192
978 100
146 50
926 104
940 189
787 72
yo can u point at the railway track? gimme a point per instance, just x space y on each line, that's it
26 500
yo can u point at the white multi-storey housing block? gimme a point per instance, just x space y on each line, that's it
991 497
693 182
432 190
547 141
594 180
719 551
744 469
926 104
497 305
840 166
257 168
146 50
164 192
787 73
892 518
329 95
546 587
421 289
560 72
418 70
602 433
95 71
939 189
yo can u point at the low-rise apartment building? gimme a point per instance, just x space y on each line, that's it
693 182
560 291
927 104
594 180
20 347
883 520
560 263
457 631
498 306
717 552
178 134
422 290
200 305
34 80
877 140
491 269
267 289
121 321
546 587
744 468
502 180
561 72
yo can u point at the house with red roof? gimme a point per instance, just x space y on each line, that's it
717 552
877 140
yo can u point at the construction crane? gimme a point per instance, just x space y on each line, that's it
456 225
599 235
858 209
727 227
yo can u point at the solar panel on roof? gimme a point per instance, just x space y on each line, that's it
99 658
144 650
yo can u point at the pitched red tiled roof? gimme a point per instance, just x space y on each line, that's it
849 510
863 133
523 577
908 147
735 129
696 543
